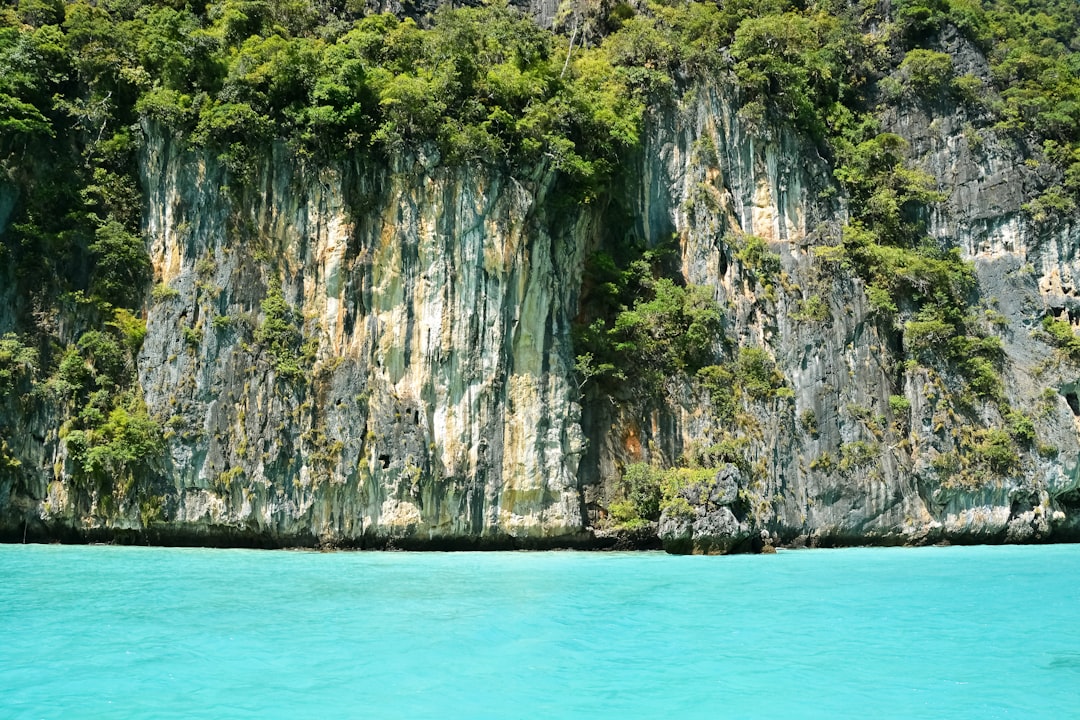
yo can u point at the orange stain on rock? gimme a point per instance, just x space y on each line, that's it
632 443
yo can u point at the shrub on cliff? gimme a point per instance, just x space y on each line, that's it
927 72
280 335
121 265
651 328
17 361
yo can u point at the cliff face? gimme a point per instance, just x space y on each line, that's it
372 356
434 397
854 454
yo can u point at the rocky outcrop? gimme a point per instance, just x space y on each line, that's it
855 453
701 519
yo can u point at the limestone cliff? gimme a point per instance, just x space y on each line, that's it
435 398
377 355
853 454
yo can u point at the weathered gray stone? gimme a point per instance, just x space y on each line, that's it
676 531
704 531
718 531
725 488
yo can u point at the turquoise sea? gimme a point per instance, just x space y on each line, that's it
123 632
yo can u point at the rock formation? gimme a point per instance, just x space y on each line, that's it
382 355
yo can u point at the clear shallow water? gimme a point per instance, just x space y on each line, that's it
112 632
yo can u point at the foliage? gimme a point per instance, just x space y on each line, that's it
994 450
657 329
112 442
132 329
1061 335
824 463
906 272
928 73
641 486
899 405
857 454
108 361
813 308
1021 427
887 195
113 454
162 292
981 456
280 334
625 515
799 66
16 361
483 83
1036 68
754 253
757 374
753 376
719 382
121 267
648 490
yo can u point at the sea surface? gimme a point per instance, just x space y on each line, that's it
123 632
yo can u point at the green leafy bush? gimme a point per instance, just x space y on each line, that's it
994 450
857 454
754 252
132 329
658 329
813 308
641 485
798 66
927 72
115 454
1061 335
756 373
108 359
121 265
1021 427
280 334
719 382
16 361
899 404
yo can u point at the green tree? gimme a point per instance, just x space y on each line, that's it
121 265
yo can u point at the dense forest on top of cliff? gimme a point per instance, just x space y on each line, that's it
487 84
81 81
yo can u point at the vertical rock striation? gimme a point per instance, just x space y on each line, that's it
434 398
372 355
853 453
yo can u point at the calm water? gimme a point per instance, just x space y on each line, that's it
108 632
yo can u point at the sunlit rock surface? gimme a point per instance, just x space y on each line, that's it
429 398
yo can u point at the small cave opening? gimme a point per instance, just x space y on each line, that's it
416 417
1074 403
1069 312
1069 502
385 460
